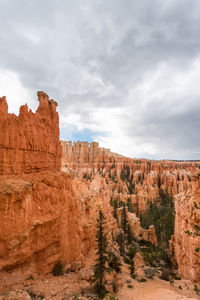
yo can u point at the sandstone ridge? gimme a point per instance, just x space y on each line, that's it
137 182
29 142
44 217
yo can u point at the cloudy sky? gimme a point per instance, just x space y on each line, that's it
125 73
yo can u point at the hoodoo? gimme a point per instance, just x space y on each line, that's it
29 142
44 217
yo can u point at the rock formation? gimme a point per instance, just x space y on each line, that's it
48 215
185 242
29 142
140 181
43 217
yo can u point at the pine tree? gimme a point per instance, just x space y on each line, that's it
124 218
129 205
100 267
129 234
131 254
115 206
121 242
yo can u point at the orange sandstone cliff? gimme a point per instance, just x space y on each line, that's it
43 218
141 181
29 142
186 239
47 214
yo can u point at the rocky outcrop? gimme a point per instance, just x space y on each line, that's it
29 142
148 235
186 240
48 215
44 215
137 182
87 155
37 226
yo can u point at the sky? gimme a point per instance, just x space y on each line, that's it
125 73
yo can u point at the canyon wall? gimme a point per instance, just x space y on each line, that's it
186 239
48 215
29 142
82 159
44 215
139 181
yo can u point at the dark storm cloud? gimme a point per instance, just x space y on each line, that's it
127 72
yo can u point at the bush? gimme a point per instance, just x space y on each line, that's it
165 275
174 276
58 269
150 273
142 280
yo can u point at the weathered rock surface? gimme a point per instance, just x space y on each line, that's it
43 216
87 162
48 215
185 243
29 142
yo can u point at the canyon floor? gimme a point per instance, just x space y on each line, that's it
69 288
75 285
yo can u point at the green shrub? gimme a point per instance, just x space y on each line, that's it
58 269
165 275
149 272
142 280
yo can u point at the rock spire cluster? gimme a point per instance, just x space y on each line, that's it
29 142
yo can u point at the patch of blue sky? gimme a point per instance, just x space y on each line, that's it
85 135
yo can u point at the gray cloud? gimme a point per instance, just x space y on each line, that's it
127 72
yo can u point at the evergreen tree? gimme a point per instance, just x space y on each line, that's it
129 234
121 242
159 181
124 218
100 267
115 205
129 205
131 254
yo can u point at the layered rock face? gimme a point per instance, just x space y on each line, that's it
43 216
82 159
87 155
43 219
29 142
137 182
48 215
186 241
36 221
33 204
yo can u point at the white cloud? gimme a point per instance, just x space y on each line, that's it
125 72
16 94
